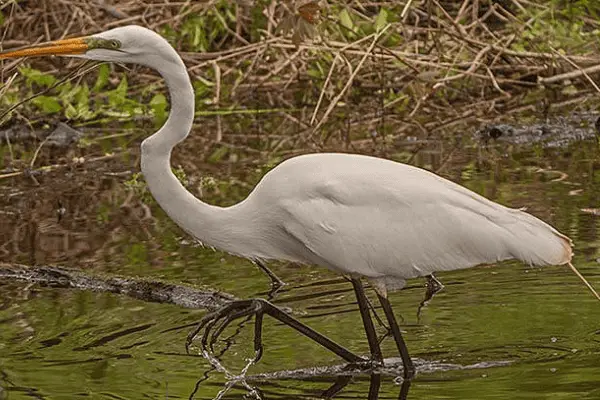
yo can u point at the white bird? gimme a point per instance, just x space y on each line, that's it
357 215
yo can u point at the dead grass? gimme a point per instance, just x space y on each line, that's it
437 68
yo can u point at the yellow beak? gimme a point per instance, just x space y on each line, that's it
65 47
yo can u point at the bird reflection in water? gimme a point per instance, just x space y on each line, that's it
273 389
374 386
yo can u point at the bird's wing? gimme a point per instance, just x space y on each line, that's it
413 228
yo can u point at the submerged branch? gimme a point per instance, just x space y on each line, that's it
141 289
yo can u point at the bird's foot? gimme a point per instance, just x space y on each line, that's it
216 322
433 286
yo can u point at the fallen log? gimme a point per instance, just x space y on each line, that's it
138 288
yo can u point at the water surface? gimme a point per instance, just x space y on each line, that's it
538 328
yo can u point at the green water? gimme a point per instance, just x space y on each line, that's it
65 344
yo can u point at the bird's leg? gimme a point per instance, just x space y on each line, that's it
409 368
258 346
404 389
433 286
378 318
241 308
307 331
276 283
363 306
374 385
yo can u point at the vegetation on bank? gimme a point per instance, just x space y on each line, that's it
437 65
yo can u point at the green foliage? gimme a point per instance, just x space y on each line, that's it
258 18
118 96
103 213
180 175
137 255
77 102
381 20
137 184
209 30
559 26
352 26
202 89
218 154
208 182
201 32
37 77
105 96
47 104
159 106
577 8
347 22
102 79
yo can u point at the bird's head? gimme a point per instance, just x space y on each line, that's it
129 44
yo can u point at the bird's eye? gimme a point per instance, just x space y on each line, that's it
114 44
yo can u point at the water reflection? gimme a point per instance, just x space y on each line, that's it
338 388
374 386
3 385
338 381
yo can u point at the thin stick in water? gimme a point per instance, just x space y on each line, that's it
584 281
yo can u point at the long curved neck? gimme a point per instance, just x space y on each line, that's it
209 224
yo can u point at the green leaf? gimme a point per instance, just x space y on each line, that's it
47 104
102 79
202 88
70 112
38 77
381 20
346 20
570 90
159 108
82 95
159 100
122 88
218 154
118 96
82 103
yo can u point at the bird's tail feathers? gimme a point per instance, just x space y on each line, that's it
538 243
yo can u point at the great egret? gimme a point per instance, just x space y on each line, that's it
360 216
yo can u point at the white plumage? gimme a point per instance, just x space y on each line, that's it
389 221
